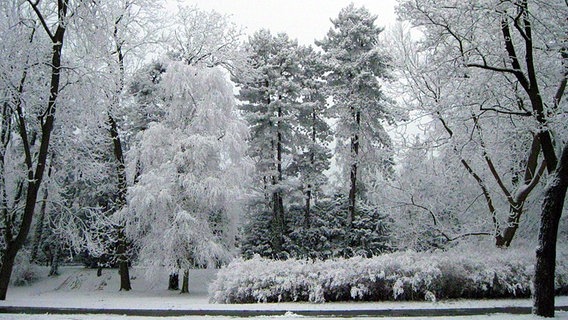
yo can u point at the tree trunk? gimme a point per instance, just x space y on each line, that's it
40 223
120 167
352 195
277 201
353 173
120 203
185 282
35 176
39 228
173 283
123 262
309 192
278 224
506 237
307 212
6 271
532 176
543 295
54 270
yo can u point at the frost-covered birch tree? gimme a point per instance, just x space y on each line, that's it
205 38
184 207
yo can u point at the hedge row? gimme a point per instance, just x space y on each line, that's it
458 273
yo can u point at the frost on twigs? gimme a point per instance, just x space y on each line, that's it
182 211
397 276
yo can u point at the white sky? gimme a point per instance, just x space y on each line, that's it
304 20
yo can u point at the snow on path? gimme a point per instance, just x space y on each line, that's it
559 315
81 288
172 300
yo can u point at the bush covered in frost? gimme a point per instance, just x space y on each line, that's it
457 273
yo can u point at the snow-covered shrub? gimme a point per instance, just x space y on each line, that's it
26 272
456 273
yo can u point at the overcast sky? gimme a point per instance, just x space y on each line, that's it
304 20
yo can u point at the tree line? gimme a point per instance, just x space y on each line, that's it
212 147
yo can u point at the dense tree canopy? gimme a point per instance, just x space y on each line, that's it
167 140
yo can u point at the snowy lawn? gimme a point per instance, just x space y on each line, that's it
78 287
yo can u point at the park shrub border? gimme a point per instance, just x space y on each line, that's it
399 276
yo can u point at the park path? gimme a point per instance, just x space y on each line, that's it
337 313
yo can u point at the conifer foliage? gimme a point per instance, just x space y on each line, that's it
271 93
286 99
356 68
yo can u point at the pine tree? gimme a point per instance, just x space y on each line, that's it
270 94
356 68
313 133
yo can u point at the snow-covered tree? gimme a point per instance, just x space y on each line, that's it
357 68
475 130
270 94
190 166
205 38
23 25
313 133
508 59
108 41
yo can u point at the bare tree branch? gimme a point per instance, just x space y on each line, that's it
562 86
42 19
490 164
439 229
525 189
510 47
497 69
513 113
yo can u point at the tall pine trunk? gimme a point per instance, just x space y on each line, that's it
553 204
353 173
310 186
279 222
307 212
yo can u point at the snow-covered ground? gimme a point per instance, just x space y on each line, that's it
78 287
290 316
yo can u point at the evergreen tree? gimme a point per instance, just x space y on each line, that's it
313 133
357 67
329 236
270 94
